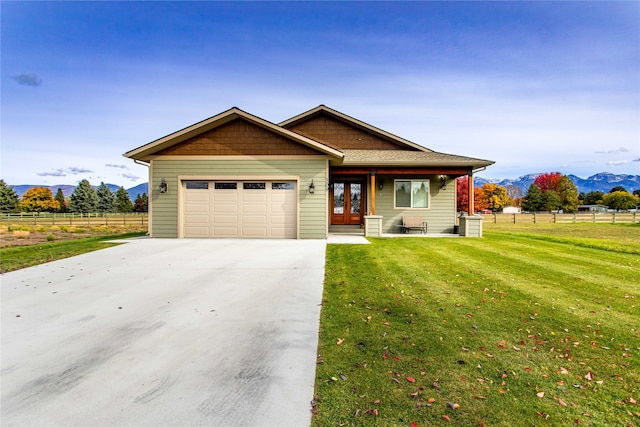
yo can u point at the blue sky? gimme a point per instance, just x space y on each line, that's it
534 86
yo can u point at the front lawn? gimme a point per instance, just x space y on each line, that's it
15 258
520 327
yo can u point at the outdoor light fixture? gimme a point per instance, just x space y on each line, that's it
443 182
312 187
163 186
381 185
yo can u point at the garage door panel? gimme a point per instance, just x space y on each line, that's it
221 220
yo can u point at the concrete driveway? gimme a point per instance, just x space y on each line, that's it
164 332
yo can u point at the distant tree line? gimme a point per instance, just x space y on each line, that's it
85 199
549 192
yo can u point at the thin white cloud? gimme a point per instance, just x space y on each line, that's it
57 172
75 171
111 165
130 177
617 150
619 162
28 79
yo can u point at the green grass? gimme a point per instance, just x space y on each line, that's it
487 324
27 256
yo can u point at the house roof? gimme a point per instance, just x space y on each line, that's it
408 154
146 151
408 158
323 109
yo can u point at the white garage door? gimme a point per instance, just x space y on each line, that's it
254 209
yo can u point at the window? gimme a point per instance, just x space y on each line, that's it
197 185
283 186
411 194
226 185
254 186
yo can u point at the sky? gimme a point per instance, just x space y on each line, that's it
534 86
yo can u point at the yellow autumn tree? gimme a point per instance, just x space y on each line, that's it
38 199
494 196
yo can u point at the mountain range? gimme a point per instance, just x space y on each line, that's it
603 181
67 190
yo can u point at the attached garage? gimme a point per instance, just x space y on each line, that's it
240 209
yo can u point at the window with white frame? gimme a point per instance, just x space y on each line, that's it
411 194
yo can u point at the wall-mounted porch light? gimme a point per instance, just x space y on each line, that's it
163 186
312 187
443 182
381 185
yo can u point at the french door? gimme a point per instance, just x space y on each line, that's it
347 203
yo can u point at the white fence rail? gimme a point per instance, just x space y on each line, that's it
93 219
545 218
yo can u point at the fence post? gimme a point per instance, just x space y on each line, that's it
614 217
35 219
514 218
534 218
555 218
594 216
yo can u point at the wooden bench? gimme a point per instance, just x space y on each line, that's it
413 223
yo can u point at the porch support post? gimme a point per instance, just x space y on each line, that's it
470 211
372 175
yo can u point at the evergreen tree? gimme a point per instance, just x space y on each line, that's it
60 199
106 200
568 193
532 201
83 199
618 188
551 201
593 198
123 202
38 199
8 198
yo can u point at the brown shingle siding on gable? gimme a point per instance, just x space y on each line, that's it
236 138
339 135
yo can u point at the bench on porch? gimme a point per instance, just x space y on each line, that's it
413 223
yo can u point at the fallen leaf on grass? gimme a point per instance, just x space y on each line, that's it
414 424
540 394
589 376
411 379
431 400
446 418
340 341
562 402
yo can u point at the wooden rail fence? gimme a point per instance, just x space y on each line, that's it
92 219
545 218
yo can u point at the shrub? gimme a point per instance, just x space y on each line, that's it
51 238
21 234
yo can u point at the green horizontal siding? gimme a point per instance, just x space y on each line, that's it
441 217
313 207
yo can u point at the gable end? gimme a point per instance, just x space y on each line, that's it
238 137
340 135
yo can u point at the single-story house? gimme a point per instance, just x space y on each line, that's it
237 175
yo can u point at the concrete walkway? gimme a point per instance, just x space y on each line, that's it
164 332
